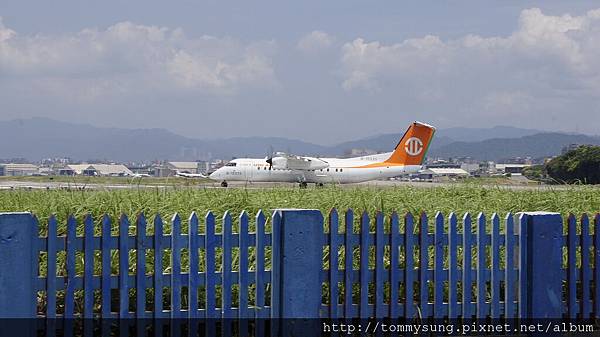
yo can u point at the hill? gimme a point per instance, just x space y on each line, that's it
535 146
38 138
442 137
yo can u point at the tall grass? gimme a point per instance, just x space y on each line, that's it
166 202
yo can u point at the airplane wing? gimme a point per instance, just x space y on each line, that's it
291 162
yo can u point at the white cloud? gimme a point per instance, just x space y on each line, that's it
126 58
315 42
546 55
5 33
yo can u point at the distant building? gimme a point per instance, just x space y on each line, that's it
517 160
487 168
95 170
172 167
45 170
19 169
511 168
471 167
72 169
183 166
142 169
442 173
108 170
449 172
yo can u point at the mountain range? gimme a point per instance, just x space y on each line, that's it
38 138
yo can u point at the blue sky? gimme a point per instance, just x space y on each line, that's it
322 71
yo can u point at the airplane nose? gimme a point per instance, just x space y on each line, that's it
214 176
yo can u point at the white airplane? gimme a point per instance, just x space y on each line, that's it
189 175
406 158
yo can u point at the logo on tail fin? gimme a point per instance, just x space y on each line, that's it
413 146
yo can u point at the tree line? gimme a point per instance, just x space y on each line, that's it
578 166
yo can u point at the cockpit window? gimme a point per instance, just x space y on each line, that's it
230 164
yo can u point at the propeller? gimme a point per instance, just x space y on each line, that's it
269 158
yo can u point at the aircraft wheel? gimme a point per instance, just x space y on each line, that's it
319 184
303 184
223 183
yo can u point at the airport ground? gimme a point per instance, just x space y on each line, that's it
100 183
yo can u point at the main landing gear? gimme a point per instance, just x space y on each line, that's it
224 183
319 184
303 184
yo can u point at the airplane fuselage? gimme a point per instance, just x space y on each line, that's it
341 171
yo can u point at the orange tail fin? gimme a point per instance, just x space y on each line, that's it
413 145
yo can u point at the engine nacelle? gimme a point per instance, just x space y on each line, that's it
279 163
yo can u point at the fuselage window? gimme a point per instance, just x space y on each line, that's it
336 170
340 170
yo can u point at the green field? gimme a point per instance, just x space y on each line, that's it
460 198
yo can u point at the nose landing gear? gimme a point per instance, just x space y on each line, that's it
224 183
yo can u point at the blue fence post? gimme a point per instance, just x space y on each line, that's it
17 266
300 259
543 287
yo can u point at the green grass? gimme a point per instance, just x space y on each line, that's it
460 198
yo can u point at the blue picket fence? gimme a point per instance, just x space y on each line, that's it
294 264
424 271
97 287
581 269
410 271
